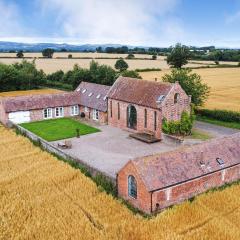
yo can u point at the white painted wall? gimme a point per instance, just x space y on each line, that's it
19 117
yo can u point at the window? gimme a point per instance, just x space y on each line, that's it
86 109
105 98
95 114
155 120
176 98
74 110
98 96
118 111
111 108
145 118
84 90
90 94
59 112
78 89
132 187
47 113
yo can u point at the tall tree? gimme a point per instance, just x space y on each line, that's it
48 52
191 83
20 54
179 56
121 65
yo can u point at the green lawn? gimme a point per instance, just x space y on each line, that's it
197 134
57 129
218 122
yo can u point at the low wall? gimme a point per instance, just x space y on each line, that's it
52 149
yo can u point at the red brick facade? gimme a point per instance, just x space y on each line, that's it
89 114
117 117
172 109
156 200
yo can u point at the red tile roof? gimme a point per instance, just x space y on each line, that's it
97 99
166 169
24 103
141 92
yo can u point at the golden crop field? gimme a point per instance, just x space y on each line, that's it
43 198
224 83
56 63
29 92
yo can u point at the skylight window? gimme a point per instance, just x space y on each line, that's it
105 98
161 98
78 89
98 96
90 94
220 161
84 90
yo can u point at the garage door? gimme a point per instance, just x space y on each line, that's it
19 117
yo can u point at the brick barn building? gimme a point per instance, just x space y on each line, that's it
141 105
155 182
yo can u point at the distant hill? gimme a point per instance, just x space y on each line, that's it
38 47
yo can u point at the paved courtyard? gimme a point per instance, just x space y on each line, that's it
110 149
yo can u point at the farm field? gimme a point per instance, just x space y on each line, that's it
224 83
29 92
43 198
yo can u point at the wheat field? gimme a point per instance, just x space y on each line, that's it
224 83
29 92
43 198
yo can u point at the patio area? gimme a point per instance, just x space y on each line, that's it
110 149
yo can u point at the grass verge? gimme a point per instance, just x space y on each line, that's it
197 134
57 129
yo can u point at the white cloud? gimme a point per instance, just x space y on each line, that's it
9 20
116 21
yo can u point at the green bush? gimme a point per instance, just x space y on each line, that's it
182 127
222 115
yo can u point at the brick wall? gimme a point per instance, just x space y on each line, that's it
3 115
121 121
173 111
143 200
37 115
175 194
89 115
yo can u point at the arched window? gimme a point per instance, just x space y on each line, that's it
176 98
132 186
131 117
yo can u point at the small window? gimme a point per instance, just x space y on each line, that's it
98 96
84 90
155 120
86 109
132 187
176 98
59 112
220 161
111 108
78 89
118 111
145 118
47 113
90 94
105 98
95 114
74 110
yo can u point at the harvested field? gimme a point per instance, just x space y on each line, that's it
224 83
29 92
43 198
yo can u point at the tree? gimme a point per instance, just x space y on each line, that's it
20 54
179 56
99 49
121 65
191 84
154 57
131 74
130 56
48 52
69 55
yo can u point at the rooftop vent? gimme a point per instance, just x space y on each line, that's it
84 90
161 98
98 96
220 161
90 94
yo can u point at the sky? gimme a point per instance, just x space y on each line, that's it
159 23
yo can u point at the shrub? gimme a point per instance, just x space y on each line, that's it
222 115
